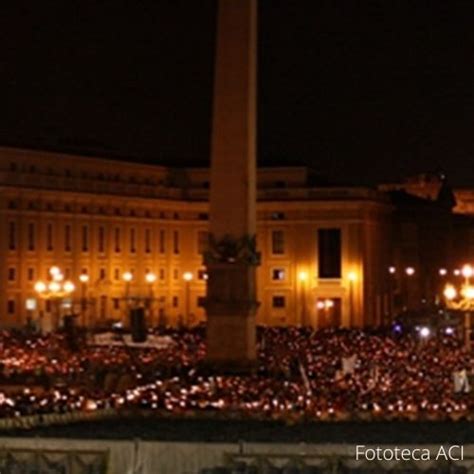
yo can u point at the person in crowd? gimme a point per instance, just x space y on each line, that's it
328 374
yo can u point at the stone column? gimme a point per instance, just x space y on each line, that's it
232 257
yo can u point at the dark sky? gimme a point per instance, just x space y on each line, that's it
363 91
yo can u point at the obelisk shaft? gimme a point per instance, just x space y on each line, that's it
231 293
233 143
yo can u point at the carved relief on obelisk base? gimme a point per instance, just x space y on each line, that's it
232 258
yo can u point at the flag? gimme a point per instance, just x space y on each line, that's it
304 377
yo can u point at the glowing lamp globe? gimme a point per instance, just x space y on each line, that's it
150 277
83 277
54 287
127 276
40 287
302 276
467 271
54 271
450 292
69 287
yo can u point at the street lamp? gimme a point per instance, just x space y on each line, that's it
187 277
303 277
69 286
40 287
55 290
462 300
150 278
450 292
391 289
407 289
84 279
467 272
54 271
127 277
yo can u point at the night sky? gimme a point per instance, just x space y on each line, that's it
362 91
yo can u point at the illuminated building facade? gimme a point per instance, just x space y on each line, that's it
324 250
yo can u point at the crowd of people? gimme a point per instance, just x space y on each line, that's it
301 373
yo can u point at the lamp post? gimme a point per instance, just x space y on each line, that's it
462 299
187 277
303 277
84 279
391 287
150 279
127 277
55 291
409 272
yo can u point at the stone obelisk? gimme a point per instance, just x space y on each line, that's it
232 257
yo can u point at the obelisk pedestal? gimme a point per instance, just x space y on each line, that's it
232 257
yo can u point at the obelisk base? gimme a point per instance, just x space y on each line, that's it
231 343
231 308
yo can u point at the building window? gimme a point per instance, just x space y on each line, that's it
133 247
12 236
329 253
67 237
49 236
201 301
117 240
31 274
31 238
202 241
162 273
175 301
116 303
102 274
11 307
162 241
11 274
278 242
278 274
277 216
101 239
176 242
278 302
12 205
117 274
85 238
147 240
203 216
